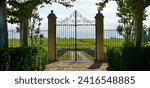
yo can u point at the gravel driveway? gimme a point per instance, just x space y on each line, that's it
81 65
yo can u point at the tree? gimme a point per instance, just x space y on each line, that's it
126 26
126 23
21 12
137 8
34 28
3 25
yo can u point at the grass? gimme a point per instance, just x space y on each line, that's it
14 43
113 42
70 43
65 56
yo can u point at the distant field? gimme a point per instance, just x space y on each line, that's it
70 43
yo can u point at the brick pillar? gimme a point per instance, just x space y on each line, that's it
99 37
52 37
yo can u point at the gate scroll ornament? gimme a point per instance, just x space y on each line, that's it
76 17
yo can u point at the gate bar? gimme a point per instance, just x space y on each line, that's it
75 35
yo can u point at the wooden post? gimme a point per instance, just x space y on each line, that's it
52 37
99 37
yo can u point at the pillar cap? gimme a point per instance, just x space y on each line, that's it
52 15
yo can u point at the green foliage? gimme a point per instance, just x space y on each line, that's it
129 58
24 8
126 27
34 29
4 59
114 58
23 59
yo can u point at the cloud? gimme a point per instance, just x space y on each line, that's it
110 18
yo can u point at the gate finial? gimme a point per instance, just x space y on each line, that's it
99 10
52 12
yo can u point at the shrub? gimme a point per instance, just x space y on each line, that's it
129 58
23 59
4 59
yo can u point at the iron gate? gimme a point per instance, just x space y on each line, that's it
75 38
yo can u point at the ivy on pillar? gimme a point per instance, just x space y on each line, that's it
52 37
99 37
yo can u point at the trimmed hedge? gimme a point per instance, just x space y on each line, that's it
129 58
23 59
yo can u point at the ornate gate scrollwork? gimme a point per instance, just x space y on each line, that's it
76 17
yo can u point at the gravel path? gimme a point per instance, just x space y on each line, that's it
69 65
72 55
81 55
82 64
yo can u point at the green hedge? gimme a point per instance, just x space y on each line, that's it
129 58
23 59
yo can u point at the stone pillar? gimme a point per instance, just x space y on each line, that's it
52 37
99 37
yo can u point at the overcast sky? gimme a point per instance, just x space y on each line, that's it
87 8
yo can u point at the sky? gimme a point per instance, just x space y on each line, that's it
87 8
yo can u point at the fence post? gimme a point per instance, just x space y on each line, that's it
99 37
52 37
